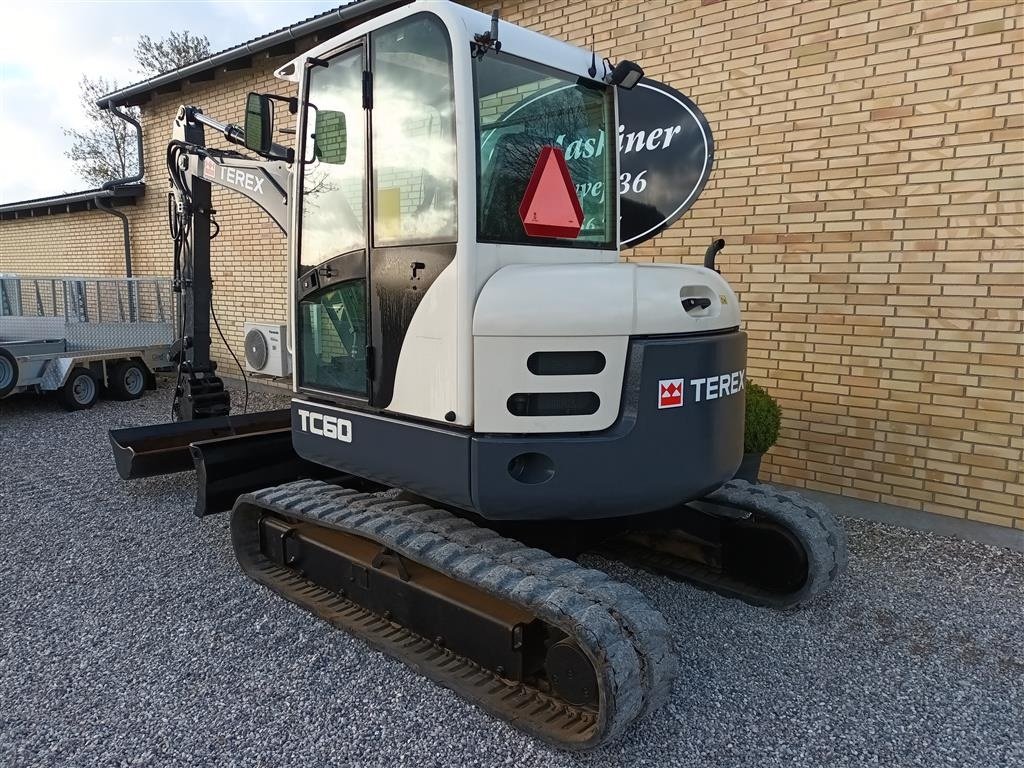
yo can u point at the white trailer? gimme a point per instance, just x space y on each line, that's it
78 336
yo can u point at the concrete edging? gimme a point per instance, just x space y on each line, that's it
918 520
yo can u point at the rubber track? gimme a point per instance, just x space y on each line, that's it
626 639
821 535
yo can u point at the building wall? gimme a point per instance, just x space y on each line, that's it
868 182
81 243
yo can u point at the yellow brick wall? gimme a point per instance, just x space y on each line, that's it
868 181
81 243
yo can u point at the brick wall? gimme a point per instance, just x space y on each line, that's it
82 243
868 181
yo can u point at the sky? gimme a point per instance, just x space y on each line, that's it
48 46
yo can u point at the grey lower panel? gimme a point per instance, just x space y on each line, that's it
651 459
430 461
30 348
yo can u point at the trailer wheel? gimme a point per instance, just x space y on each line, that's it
79 391
8 372
128 380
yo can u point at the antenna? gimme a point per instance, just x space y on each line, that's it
592 71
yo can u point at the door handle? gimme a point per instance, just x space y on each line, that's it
691 303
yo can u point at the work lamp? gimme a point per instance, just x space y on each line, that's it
626 74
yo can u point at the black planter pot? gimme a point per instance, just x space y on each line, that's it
749 467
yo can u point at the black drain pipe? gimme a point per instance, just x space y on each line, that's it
109 185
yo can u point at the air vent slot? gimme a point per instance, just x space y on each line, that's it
553 403
585 363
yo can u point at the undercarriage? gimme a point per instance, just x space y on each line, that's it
561 651
498 611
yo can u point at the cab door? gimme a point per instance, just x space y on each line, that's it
333 342
378 205
413 188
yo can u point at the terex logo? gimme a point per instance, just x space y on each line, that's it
326 426
670 393
242 179
715 387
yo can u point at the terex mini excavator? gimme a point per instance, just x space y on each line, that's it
483 391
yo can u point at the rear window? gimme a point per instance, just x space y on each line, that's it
523 107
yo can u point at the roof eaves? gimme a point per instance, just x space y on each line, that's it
62 203
137 93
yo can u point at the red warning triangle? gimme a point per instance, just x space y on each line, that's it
550 207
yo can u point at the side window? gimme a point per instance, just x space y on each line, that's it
334 183
332 335
413 133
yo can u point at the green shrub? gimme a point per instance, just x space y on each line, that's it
763 419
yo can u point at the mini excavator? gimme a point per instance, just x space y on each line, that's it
482 389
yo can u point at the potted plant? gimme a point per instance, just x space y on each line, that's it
763 418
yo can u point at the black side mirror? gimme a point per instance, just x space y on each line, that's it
259 123
330 137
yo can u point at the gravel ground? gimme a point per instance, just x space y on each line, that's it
130 637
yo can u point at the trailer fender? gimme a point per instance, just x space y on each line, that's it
55 374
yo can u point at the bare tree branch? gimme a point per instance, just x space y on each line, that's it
172 52
107 148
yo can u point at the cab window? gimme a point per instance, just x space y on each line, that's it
334 179
413 133
522 107
332 330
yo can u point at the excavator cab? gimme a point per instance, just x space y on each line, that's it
430 134
456 281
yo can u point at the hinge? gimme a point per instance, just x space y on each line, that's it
367 89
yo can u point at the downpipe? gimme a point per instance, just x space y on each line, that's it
101 203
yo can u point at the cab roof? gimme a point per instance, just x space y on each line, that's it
463 23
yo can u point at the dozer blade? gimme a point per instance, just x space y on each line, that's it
227 467
561 652
163 449
758 543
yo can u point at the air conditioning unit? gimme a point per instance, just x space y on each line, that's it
266 349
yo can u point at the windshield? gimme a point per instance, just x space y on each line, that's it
523 107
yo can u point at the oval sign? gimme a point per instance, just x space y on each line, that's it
665 156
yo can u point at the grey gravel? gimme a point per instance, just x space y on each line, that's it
129 637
